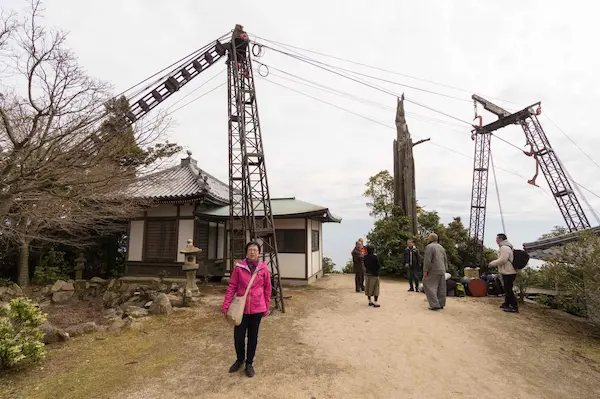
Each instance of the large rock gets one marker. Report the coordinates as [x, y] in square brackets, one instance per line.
[161, 305]
[175, 300]
[68, 286]
[62, 296]
[98, 280]
[81, 285]
[8, 293]
[58, 286]
[135, 311]
[46, 291]
[112, 313]
[53, 334]
[17, 291]
[110, 299]
[83, 328]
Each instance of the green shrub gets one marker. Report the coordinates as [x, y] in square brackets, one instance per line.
[20, 334]
[5, 282]
[348, 268]
[52, 267]
[525, 279]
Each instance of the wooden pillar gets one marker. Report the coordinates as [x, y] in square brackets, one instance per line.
[404, 170]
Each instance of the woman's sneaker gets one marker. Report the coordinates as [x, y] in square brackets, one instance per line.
[235, 366]
[376, 305]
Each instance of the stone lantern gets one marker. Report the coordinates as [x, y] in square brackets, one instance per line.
[79, 266]
[189, 267]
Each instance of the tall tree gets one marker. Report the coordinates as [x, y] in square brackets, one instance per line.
[380, 194]
[63, 166]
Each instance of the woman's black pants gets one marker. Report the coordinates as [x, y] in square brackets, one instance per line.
[250, 324]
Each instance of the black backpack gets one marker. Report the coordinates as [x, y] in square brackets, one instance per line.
[520, 259]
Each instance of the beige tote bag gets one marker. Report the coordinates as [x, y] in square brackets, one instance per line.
[235, 313]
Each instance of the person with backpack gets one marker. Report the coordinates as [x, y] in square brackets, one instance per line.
[412, 263]
[505, 267]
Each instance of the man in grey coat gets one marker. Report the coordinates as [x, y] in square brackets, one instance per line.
[435, 265]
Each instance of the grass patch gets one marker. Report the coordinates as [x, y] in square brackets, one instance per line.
[97, 365]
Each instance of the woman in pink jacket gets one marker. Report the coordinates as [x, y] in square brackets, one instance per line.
[257, 304]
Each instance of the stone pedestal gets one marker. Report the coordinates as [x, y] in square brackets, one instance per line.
[79, 267]
[190, 267]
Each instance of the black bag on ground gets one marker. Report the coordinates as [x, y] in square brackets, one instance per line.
[520, 259]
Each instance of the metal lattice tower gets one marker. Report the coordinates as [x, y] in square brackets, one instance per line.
[545, 157]
[481, 163]
[559, 184]
[250, 215]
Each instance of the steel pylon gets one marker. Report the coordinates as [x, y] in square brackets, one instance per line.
[250, 215]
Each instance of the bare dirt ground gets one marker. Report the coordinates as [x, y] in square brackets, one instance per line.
[330, 344]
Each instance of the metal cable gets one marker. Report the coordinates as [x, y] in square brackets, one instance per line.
[497, 193]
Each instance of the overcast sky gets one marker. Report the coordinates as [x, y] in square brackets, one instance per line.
[518, 51]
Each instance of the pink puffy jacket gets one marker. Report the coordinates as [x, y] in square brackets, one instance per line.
[259, 296]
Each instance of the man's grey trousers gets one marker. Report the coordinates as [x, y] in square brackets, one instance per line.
[434, 286]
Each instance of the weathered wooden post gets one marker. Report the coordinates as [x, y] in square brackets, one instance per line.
[79, 266]
[190, 267]
[404, 169]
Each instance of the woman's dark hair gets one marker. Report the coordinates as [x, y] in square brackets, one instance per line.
[251, 243]
[370, 249]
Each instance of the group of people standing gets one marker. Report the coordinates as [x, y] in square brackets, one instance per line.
[251, 278]
[367, 267]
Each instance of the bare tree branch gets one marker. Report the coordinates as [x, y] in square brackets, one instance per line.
[67, 155]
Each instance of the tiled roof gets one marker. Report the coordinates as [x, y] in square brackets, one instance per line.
[547, 247]
[283, 207]
[183, 181]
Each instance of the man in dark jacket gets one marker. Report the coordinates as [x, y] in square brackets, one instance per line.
[358, 267]
[412, 264]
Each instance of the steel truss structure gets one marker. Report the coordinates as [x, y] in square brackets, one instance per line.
[545, 157]
[251, 216]
[250, 212]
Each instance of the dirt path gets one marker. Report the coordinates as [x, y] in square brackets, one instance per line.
[330, 344]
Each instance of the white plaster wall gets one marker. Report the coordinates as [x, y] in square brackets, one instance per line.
[186, 210]
[186, 231]
[292, 265]
[135, 241]
[163, 210]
